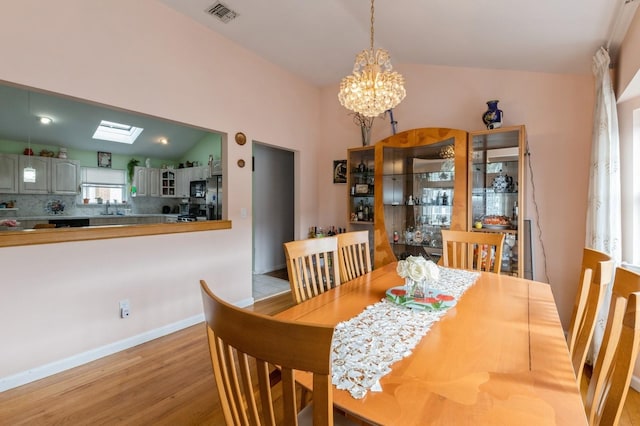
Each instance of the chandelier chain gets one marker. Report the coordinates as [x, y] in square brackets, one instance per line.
[372, 25]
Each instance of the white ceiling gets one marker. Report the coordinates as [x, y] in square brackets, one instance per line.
[318, 40]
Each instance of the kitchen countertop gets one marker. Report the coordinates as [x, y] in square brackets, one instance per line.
[96, 216]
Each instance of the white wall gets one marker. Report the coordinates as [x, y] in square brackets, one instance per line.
[59, 300]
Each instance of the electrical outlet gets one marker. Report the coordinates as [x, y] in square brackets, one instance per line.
[125, 309]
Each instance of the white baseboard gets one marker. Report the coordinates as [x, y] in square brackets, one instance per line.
[55, 367]
[46, 370]
[635, 382]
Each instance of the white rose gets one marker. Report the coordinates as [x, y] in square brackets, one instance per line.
[417, 271]
[417, 259]
[401, 269]
[433, 273]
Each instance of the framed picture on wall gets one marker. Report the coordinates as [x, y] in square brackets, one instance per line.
[339, 171]
[104, 159]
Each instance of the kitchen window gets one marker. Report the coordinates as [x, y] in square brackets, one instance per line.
[106, 184]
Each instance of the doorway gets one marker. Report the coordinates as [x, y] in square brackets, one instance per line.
[273, 217]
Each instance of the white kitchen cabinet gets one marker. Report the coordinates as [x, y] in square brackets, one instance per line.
[168, 183]
[200, 173]
[153, 180]
[183, 178]
[53, 176]
[147, 181]
[9, 173]
[42, 166]
[140, 179]
[65, 176]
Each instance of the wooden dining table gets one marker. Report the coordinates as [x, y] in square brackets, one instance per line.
[497, 357]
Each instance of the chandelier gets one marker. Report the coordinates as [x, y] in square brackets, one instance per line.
[373, 88]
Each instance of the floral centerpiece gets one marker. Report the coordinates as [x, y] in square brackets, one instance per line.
[417, 272]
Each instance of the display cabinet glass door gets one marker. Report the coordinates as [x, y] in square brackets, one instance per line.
[418, 194]
[496, 181]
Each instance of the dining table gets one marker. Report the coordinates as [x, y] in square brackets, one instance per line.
[497, 356]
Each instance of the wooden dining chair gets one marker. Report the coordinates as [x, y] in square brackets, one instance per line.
[243, 344]
[614, 365]
[353, 254]
[312, 266]
[480, 251]
[595, 276]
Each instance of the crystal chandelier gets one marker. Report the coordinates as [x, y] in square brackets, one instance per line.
[373, 88]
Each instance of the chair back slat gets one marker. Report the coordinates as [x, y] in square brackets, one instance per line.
[615, 361]
[353, 254]
[595, 277]
[480, 251]
[312, 266]
[243, 344]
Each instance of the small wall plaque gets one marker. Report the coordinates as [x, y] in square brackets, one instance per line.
[241, 138]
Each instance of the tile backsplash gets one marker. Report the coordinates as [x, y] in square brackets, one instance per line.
[40, 205]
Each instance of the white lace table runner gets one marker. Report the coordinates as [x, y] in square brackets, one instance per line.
[365, 346]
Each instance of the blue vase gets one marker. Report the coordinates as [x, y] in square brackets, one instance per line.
[492, 117]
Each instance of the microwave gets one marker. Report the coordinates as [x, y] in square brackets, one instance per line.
[198, 189]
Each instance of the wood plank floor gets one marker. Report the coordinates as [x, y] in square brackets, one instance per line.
[167, 381]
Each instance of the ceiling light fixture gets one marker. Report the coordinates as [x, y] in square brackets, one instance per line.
[373, 88]
[163, 141]
[45, 120]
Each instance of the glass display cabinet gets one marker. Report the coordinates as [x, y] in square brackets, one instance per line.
[361, 184]
[421, 187]
[496, 188]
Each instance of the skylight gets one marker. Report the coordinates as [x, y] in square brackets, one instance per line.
[117, 132]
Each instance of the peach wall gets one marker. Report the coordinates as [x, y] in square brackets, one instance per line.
[60, 300]
[557, 111]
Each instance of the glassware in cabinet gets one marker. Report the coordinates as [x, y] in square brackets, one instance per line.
[496, 188]
[361, 184]
[418, 192]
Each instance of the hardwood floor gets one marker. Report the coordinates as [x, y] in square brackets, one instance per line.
[167, 381]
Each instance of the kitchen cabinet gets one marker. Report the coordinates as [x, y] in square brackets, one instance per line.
[168, 183]
[420, 189]
[53, 175]
[147, 181]
[9, 173]
[65, 176]
[496, 191]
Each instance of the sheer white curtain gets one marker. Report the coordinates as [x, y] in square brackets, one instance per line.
[604, 205]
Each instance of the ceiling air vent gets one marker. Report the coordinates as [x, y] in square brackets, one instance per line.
[221, 12]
